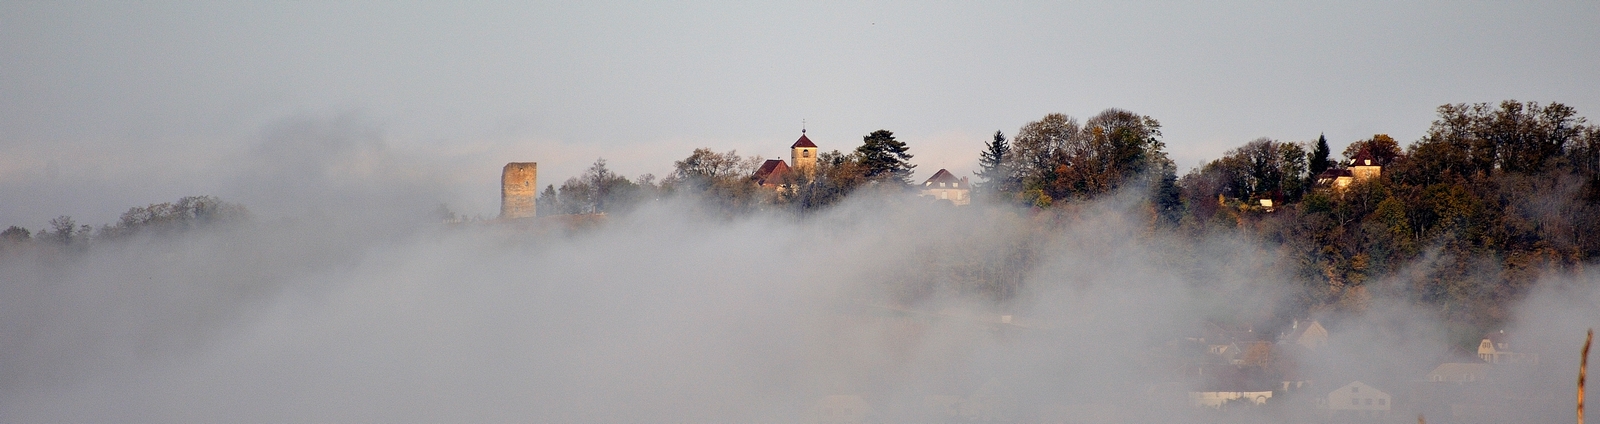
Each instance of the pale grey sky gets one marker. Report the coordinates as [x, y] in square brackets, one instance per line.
[109, 105]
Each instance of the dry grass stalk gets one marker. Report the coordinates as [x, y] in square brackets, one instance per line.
[1583, 368]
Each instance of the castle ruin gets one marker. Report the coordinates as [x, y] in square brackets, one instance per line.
[519, 188]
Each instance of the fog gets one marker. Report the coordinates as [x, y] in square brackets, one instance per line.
[666, 314]
[342, 299]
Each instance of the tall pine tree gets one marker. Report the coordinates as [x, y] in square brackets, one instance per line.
[994, 166]
[885, 159]
[1319, 156]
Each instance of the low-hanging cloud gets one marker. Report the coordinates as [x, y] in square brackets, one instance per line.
[664, 314]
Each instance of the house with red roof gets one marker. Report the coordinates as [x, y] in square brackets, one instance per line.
[945, 186]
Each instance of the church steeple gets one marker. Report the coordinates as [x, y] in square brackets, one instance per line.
[803, 154]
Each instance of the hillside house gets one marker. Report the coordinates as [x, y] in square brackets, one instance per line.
[1364, 166]
[1335, 178]
[945, 186]
[1308, 334]
[1227, 386]
[1358, 399]
[1496, 349]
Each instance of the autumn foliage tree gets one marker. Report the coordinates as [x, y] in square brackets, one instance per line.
[1057, 159]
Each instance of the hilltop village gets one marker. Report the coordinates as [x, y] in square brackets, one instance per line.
[778, 179]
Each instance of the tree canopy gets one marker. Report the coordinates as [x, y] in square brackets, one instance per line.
[885, 159]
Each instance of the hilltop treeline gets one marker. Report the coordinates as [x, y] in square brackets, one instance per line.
[724, 181]
[1461, 221]
[186, 214]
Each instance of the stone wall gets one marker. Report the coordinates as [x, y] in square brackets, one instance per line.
[519, 188]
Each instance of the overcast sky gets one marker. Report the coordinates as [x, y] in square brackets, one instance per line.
[109, 105]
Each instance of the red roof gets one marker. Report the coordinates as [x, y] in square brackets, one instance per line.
[1364, 158]
[944, 176]
[771, 172]
[803, 142]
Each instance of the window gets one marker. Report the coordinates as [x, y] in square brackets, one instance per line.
[941, 184]
[1369, 401]
[1354, 401]
[1382, 401]
[1355, 389]
[805, 153]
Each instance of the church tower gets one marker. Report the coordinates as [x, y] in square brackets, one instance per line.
[803, 154]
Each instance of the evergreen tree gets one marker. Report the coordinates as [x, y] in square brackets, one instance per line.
[1168, 197]
[994, 167]
[549, 201]
[884, 158]
[1319, 156]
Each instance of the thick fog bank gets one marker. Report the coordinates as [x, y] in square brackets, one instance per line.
[890, 304]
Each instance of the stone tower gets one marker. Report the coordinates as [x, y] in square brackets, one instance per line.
[519, 187]
[803, 154]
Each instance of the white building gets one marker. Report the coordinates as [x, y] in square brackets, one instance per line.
[1358, 399]
[945, 186]
[1495, 349]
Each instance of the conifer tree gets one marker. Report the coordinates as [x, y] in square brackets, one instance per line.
[1319, 156]
[884, 158]
[993, 165]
